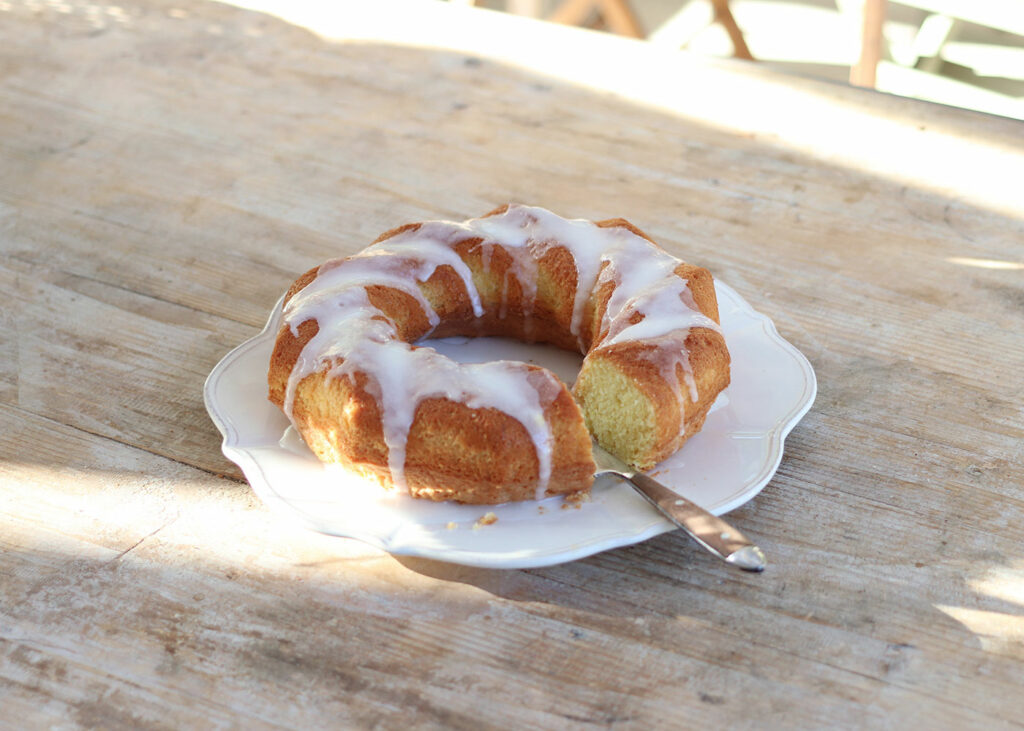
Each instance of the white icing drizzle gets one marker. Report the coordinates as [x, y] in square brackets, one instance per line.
[431, 246]
[663, 310]
[534, 230]
[356, 337]
[401, 376]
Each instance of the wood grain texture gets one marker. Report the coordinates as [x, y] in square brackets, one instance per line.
[167, 169]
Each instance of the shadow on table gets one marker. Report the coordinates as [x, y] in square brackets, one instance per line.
[937, 626]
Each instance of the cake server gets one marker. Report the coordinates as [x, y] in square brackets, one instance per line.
[708, 530]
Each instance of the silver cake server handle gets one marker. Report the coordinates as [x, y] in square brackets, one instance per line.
[708, 530]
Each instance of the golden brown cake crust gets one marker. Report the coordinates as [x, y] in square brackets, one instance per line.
[483, 455]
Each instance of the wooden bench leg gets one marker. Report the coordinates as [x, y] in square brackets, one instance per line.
[621, 19]
[617, 14]
[724, 16]
[693, 18]
[864, 72]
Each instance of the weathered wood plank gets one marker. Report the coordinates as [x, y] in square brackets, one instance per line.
[338, 168]
[115, 363]
[213, 578]
[167, 169]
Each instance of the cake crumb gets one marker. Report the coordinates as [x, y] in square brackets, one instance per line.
[486, 519]
[575, 500]
[452, 525]
[541, 510]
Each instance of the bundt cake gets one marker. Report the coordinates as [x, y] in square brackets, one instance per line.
[349, 371]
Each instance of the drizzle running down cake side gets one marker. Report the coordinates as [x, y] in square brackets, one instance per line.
[351, 372]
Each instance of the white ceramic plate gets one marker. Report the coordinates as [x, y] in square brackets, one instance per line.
[721, 468]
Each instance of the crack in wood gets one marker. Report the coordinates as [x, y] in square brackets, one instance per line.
[144, 538]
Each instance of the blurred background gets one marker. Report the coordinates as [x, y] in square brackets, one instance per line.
[964, 53]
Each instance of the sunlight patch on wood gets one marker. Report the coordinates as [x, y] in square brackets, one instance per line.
[968, 261]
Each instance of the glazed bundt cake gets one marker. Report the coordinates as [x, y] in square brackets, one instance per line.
[350, 372]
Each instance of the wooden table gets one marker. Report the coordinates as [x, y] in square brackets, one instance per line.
[167, 169]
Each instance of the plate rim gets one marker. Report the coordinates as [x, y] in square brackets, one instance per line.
[782, 428]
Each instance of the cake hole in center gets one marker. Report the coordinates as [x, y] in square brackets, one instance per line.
[563, 363]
